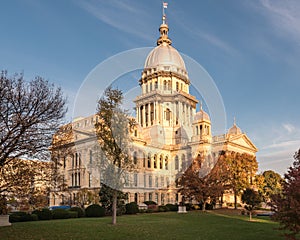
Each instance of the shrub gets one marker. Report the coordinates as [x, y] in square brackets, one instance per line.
[22, 217]
[209, 206]
[72, 214]
[150, 203]
[79, 210]
[60, 214]
[162, 209]
[132, 208]
[172, 207]
[95, 210]
[44, 214]
[188, 206]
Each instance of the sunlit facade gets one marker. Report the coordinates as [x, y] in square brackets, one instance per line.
[169, 134]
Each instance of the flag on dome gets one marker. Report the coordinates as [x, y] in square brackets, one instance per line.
[165, 4]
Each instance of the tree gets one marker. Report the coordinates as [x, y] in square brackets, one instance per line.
[30, 113]
[268, 183]
[106, 199]
[113, 129]
[241, 171]
[26, 182]
[195, 186]
[86, 197]
[287, 204]
[252, 199]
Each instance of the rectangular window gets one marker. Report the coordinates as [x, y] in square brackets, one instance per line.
[162, 181]
[135, 179]
[91, 156]
[90, 179]
[150, 181]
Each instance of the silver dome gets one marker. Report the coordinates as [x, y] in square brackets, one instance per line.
[164, 55]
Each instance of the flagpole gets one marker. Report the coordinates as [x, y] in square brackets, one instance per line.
[163, 11]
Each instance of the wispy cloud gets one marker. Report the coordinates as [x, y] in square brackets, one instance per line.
[284, 15]
[206, 36]
[114, 12]
[278, 153]
[215, 41]
[289, 127]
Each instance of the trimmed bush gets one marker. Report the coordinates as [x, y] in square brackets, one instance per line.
[72, 214]
[95, 210]
[22, 217]
[172, 207]
[150, 203]
[44, 214]
[188, 206]
[60, 214]
[162, 208]
[79, 210]
[132, 208]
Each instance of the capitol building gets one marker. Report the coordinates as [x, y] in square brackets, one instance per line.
[169, 133]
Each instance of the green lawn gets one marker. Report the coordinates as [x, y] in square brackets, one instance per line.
[193, 225]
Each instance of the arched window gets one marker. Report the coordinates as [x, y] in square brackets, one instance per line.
[165, 85]
[166, 163]
[161, 162]
[72, 160]
[79, 159]
[177, 86]
[149, 160]
[168, 114]
[184, 165]
[135, 158]
[176, 163]
[155, 161]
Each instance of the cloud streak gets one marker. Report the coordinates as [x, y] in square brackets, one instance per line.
[284, 16]
[114, 12]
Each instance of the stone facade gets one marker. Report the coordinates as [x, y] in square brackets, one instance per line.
[169, 133]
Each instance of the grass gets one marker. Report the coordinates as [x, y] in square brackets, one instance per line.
[193, 225]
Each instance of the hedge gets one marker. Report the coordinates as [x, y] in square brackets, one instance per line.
[79, 210]
[95, 210]
[132, 208]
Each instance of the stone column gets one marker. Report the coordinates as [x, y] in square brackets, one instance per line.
[144, 115]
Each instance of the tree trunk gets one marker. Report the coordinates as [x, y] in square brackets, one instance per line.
[235, 200]
[250, 215]
[203, 206]
[114, 208]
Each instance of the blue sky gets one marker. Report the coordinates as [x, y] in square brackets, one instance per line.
[250, 48]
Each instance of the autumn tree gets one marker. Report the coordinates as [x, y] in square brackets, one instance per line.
[287, 204]
[113, 134]
[30, 112]
[268, 183]
[252, 199]
[202, 187]
[241, 171]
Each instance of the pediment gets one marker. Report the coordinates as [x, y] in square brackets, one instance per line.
[83, 135]
[243, 141]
